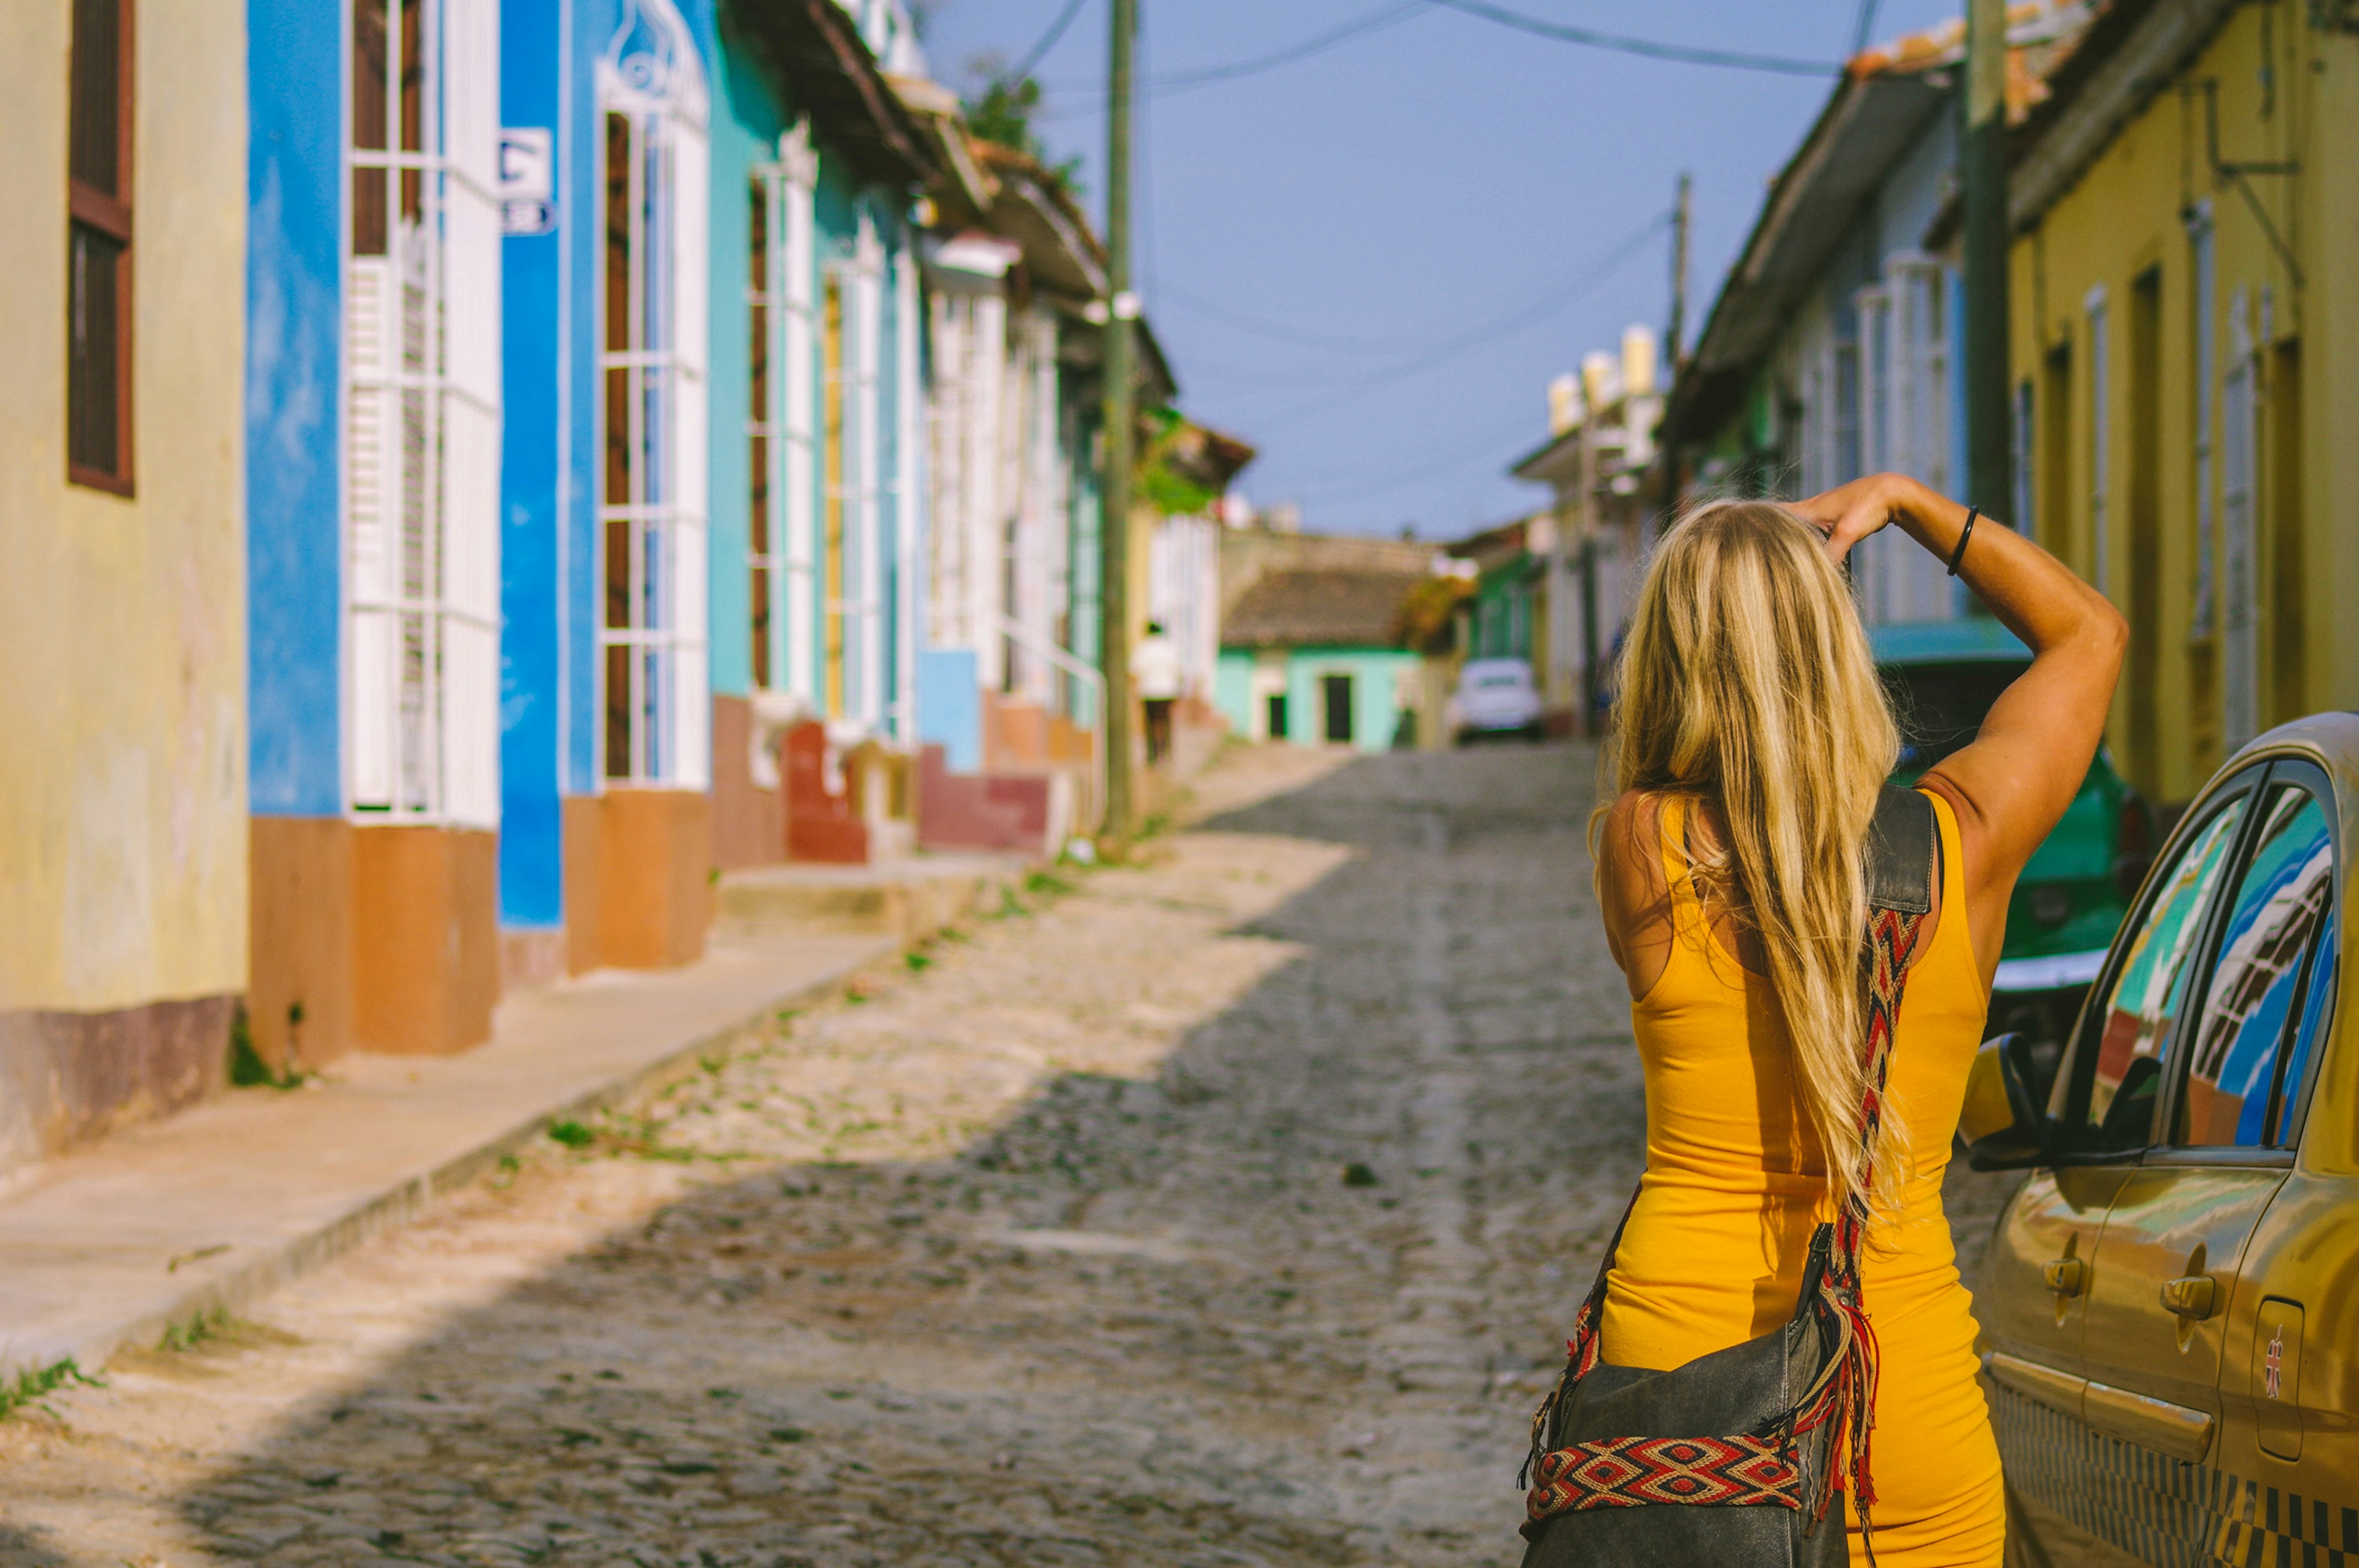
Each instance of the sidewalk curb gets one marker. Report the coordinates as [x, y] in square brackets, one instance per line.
[411, 1198]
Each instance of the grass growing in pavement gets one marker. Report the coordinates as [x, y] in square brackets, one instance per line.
[1047, 884]
[36, 1383]
[196, 1331]
[572, 1134]
[638, 1137]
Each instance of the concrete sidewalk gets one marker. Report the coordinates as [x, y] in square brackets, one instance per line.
[214, 1207]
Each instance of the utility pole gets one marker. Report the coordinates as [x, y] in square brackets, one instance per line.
[1121, 431]
[1675, 360]
[1677, 356]
[1982, 169]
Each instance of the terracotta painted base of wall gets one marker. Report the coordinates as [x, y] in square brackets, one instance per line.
[638, 879]
[1016, 733]
[367, 937]
[749, 823]
[68, 1077]
[299, 979]
[426, 938]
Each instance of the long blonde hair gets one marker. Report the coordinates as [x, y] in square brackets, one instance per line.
[1745, 680]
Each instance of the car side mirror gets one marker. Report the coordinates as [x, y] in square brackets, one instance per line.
[2004, 1124]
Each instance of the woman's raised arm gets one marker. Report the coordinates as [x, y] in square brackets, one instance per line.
[2012, 784]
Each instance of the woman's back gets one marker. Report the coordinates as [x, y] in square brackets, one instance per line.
[1735, 1182]
[1748, 686]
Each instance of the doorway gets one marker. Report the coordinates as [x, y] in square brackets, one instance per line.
[1274, 717]
[1335, 696]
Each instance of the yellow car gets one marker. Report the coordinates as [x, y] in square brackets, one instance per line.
[2170, 1305]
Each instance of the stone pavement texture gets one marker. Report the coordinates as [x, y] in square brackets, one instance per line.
[1226, 1209]
[208, 1210]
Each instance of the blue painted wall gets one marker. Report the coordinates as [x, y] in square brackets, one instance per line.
[949, 706]
[531, 640]
[549, 719]
[294, 299]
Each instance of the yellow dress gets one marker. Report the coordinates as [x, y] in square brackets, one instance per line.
[1734, 1183]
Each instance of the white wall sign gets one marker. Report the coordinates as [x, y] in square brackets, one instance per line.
[527, 180]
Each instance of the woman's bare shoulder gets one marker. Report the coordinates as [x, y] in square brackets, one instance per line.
[1629, 860]
[1632, 895]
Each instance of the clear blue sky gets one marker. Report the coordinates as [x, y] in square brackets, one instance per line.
[1370, 261]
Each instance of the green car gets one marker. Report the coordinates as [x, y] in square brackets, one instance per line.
[1943, 675]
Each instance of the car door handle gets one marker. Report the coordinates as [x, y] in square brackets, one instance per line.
[2192, 1297]
[2066, 1276]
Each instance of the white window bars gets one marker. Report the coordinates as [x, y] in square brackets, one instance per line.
[865, 578]
[970, 347]
[1037, 537]
[421, 401]
[907, 493]
[851, 362]
[1904, 402]
[652, 402]
[782, 424]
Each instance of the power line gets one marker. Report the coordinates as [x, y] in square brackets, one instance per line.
[1032, 56]
[1394, 347]
[1555, 300]
[1287, 56]
[1685, 54]
[1205, 75]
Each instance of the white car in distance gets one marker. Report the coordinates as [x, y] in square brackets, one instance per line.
[1495, 697]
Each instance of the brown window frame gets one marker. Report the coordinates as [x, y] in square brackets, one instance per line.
[108, 214]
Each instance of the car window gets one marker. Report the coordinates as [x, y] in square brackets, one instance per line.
[1940, 708]
[2317, 1007]
[2150, 986]
[2273, 919]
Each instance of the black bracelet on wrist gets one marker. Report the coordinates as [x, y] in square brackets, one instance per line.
[1959, 553]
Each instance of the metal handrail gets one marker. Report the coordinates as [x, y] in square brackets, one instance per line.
[1064, 659]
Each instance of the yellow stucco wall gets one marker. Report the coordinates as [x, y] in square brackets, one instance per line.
[2123, 221]
[122, 837]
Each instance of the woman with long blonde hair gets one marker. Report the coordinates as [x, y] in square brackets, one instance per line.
[1751, 739]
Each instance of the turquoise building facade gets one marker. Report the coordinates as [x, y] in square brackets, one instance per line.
[1310, 696]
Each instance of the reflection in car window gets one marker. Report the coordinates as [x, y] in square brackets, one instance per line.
[2279, 897]
[2135, 1025]
[2317, 1001]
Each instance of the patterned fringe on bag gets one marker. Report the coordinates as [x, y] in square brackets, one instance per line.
[1626, 1471]
[1759, 1467]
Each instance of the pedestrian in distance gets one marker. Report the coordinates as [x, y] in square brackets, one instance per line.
[1803, 1084]
[1155, 670]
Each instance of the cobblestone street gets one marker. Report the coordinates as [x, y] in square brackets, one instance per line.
[1229, 1208]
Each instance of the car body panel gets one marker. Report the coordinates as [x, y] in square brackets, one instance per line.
[2056, 1217]
[2275, 1363]
[2167, 1223]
